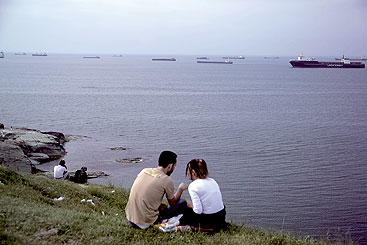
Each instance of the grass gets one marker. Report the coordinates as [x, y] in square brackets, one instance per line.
[29, 215]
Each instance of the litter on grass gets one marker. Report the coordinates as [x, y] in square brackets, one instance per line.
[88, 201]
[59, 199]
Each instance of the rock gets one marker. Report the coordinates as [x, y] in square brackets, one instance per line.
[118, 148]
[35, 170]
[33, 141]
[21, 146]
[75, 137]
[129, 160]
[92, 175]
[39, 157]
[60, 137]
[13, 157]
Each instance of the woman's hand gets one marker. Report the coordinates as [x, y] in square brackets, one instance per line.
[189, 204]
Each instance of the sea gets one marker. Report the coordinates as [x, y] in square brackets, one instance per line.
[287, 146]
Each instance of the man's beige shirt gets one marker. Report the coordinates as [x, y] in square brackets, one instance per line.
[147, 194]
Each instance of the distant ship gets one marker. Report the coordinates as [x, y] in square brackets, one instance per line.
[2, 54]
[234, 57]
[272, 58]
[202, 58]
[214, 62]
[91, 57]
[362, 58]
[302, 62]
[164, 59]
[20, 53]
[117, 55]
[39, 54]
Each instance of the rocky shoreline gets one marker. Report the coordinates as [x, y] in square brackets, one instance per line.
[22, 149]
[25, 150]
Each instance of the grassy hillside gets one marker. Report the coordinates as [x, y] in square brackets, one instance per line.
[29, 215]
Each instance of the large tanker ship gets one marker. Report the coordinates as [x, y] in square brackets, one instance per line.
[302, 62]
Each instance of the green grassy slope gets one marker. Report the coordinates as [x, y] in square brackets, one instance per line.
[29, 215]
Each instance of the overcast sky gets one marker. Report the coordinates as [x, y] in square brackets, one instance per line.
[207, 27]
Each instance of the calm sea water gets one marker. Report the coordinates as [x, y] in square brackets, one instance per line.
[287, 146]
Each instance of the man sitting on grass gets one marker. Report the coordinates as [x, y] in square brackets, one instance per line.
[145, 207]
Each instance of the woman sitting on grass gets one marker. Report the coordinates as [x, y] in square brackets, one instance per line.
[206, 210]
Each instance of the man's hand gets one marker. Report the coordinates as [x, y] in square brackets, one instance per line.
[178, 194]
[182, 187]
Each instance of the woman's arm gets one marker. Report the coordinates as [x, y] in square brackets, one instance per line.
[196, 202]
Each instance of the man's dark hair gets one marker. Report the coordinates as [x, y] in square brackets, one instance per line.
[166, 158]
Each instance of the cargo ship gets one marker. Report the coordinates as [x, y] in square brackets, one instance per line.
[164, 59]
[302, 62]
[215, 62]
[234, 57]
[39, 54]
[362, 58]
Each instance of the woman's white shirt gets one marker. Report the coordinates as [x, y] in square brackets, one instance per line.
[59, 172]
[205, 196]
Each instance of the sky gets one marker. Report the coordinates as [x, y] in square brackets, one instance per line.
[185, 27]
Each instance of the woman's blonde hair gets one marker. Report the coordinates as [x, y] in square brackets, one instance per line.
[199, 167]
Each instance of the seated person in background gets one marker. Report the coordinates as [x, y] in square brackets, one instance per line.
[60, 171]
[81, 176]
[207, 210]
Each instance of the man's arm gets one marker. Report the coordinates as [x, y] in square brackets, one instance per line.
[177, 195]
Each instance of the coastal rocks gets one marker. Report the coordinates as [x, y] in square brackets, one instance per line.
[20, 145]
[37, 142]
[90, 174]
[126, 160]
[39, 157]
[76, 137]
[60, 137]
[13, 157]
[130, 160]
[93, 175]
[118, 149]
